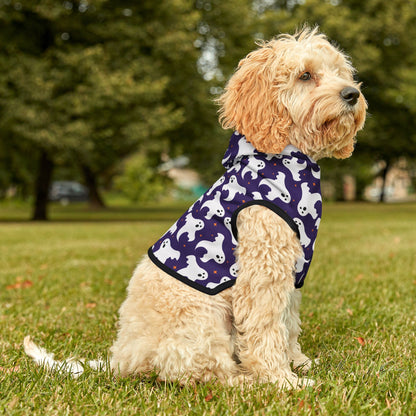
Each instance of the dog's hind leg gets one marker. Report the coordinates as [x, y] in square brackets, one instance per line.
[171, 328]
[267, 251]
[199, 347]
[142, 323]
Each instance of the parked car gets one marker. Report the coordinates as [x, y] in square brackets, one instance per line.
[68, 191]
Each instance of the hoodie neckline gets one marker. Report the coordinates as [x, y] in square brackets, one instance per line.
[239, 148]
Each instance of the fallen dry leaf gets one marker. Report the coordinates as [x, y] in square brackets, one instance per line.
[20, 285]
[350, 312]
[361, 341]
[14, 286]
[359, 277]
[209, 396]
[91, 305]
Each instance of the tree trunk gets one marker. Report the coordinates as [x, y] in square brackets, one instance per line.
[383, 185]
[95, 199]
[42, 185]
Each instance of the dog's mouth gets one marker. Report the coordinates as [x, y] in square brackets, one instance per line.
[338, 134]
[336, 127]
[341, 124]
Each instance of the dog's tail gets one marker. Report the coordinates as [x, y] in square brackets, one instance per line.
[71, 365]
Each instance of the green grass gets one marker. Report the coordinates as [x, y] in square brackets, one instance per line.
[62, 282]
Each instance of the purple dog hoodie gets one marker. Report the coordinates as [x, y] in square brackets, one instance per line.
[199, 248]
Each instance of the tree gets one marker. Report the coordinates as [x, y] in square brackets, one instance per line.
[82, 84]
[95, 82]
[224, 36]
[140, 181]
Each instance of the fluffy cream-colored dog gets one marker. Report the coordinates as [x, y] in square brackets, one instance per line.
[294, 91]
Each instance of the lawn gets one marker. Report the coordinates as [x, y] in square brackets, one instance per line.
[62, 282]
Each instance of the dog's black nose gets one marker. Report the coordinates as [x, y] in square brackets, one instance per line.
[350, 95]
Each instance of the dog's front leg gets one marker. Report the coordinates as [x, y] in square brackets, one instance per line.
[300, 360]
[267, 251]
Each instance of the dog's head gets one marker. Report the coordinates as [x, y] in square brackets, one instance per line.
[295, 90]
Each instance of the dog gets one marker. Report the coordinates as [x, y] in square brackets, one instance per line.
[217, 297]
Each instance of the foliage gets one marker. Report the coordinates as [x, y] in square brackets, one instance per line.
[81, 90]
[139, 181]
[223, 36]
[86, 83]
[63, 284]
[91, 83]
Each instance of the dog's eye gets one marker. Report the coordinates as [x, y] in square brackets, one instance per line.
[306, 76]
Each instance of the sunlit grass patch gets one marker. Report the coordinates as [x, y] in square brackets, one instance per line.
[63, 282]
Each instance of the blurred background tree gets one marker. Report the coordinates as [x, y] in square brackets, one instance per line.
[88, 85]
[140, 181]
[84, 85]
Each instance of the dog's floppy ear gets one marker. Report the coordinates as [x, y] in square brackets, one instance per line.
[251, 104]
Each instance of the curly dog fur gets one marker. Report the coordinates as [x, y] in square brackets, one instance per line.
[250, 331]
[295, 90]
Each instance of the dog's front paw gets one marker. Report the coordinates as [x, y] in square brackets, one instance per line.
[306, 382]
[303, 364]
[297, 383]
